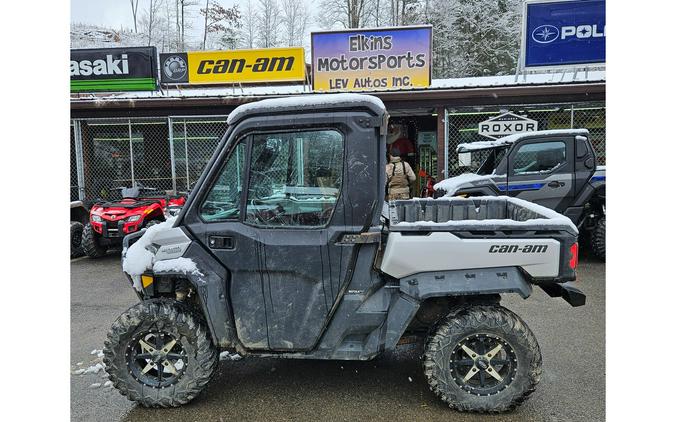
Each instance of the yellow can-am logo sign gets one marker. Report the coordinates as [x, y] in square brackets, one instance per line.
[235, 66]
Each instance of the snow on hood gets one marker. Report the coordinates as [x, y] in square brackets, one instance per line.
[452, 184]
[177, 265]
[308, 102]
[137, 259]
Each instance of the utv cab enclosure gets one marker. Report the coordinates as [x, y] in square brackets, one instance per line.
[287, 249]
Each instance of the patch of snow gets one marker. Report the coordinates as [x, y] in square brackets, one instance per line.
[79, 371]
[80, 363]
[138, 259]
[510, 139]
[177, 265]
[548, 217]
[108, 384]
[227, 356]
[95, 385]
[93, 369]
[95, 352]
[452, 184]
[478, 145]
[409, 379]
[308, 102]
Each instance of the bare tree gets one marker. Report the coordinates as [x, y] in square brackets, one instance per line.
[224, 21]
[134, 12]
[249, 22]
[294, 21]
[267, 23]
[345, 13]
[151, 19]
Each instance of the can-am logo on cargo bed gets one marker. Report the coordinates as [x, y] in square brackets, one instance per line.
[518, 248]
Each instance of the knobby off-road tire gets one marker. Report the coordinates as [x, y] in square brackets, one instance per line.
[92, 247]
[76, 249]
[200, 361]
[493, 323]
[598, 239]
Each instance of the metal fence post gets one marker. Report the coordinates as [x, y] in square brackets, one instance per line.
[187, 160]
[572, 117]
[172, 154]
[446, 129]
[79, 159]
[131, 156]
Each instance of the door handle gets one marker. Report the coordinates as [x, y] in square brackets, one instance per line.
[556, 184]
[221, 242]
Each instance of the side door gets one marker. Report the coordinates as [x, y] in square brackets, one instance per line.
[542, 171]
[276, 218]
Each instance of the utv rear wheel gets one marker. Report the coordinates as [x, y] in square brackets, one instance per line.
[159, 354]
[482, 359]
[598, 239]
[91, 244]
[76, 249]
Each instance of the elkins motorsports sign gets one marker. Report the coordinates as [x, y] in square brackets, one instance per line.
[372, 59]
[113, 69]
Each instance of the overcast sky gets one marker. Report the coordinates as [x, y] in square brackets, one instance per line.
[116, 13]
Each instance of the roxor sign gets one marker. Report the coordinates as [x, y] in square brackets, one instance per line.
[563, 33]
[506, 124]
[113, 69]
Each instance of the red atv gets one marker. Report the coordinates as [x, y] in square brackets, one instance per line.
[110, 221]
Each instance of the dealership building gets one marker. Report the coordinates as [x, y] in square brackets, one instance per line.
[159, 123]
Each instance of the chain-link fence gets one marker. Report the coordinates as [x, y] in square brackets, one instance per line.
[463, 127]
[161, 153]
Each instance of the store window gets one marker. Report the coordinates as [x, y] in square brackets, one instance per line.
[538, 158]
[223, 201]
[295, 178]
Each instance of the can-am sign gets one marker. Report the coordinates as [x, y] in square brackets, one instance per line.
[563, 33]
[371, 59]
[233, 66]
[506, 124]
[113, 69]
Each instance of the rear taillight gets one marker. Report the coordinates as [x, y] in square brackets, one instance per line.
[574, 252]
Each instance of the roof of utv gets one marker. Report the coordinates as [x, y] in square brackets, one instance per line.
[517, 137]
[305, 103]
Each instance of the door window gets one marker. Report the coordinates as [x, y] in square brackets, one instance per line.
[295, 178]
[539, 158]
[222, 202]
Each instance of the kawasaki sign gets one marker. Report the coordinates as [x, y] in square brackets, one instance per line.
[113, 69]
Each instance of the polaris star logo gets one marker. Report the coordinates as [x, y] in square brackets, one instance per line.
[545, 34]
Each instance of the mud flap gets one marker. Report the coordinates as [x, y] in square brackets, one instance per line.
[572, 295]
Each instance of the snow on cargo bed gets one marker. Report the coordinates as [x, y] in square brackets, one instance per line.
[307, 103]
[485, 213]
[452, 184]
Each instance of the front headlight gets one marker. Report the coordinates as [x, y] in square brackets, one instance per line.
[96, 218]
[134, 218]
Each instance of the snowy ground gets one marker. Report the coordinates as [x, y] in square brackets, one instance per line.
[389, 388]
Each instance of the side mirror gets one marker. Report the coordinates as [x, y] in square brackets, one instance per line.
[589, 163]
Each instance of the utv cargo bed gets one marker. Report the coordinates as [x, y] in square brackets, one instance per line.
[478, 233]
[501, 213]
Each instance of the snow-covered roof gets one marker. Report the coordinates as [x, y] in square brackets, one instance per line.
[306, 102]
[239, 91]
[510, 139]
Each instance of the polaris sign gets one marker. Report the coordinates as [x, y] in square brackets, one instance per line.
[506, 124]
[560, 33]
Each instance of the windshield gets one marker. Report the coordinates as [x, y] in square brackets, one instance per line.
[492, 158]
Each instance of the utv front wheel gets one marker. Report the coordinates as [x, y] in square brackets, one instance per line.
[482, 359]
[159, 354]
[598, 239]
[91, 244]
